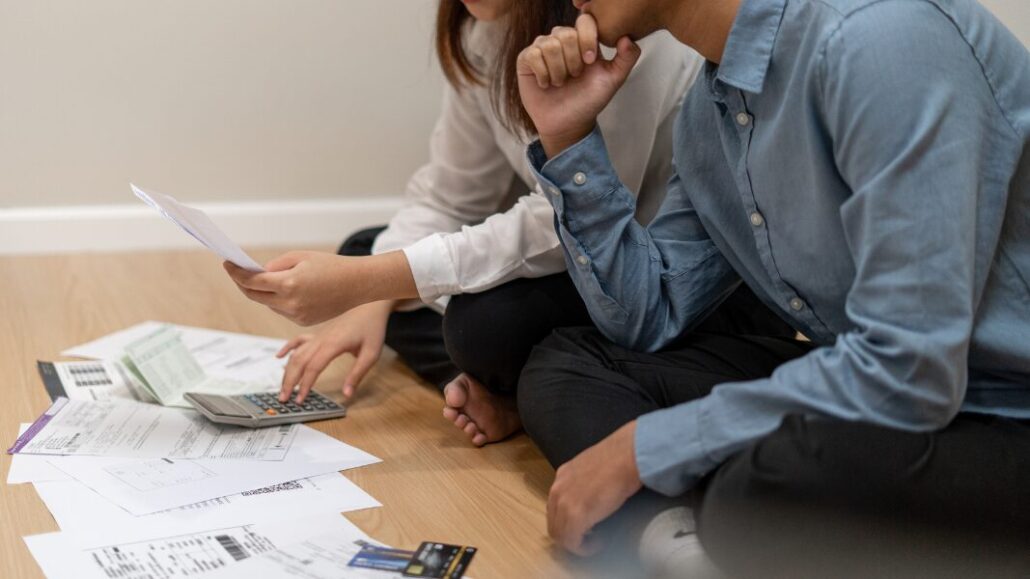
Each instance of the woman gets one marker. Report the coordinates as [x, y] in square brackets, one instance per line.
[471, 228]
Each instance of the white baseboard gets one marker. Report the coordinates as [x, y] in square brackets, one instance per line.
[41, 230]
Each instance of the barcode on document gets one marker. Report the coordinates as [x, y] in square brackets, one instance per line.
[234, 548]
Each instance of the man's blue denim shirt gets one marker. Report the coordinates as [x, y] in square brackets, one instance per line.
[863, 166]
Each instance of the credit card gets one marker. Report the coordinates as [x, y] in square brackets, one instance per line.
[439, 561]
[381, 558]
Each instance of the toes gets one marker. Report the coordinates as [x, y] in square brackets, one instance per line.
[462, 421]
[450, 413]
[471, 430]
[479, 439]
[455, 393]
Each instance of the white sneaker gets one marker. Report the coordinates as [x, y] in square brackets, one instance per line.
[669, 547]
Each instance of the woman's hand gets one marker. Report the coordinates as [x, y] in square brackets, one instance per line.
[360, 332]
[565, 83]
[309, 287]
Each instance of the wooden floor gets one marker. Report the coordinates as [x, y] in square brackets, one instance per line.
[432, 483]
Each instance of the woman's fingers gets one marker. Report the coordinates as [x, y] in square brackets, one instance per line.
[291, 375]
[270, 299]
[260, 281]
[293, 344]
[366, 358]
[312, 370]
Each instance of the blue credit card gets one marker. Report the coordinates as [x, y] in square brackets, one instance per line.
[381, 558]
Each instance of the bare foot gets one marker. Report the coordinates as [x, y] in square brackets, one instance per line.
[483, 417]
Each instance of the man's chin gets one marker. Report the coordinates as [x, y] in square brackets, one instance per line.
[611, 40]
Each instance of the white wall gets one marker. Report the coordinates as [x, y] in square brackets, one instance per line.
[291, 121]
[213, 99]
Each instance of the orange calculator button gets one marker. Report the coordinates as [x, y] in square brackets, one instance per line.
[271, 412]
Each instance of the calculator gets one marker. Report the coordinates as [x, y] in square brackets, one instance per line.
[257, 410]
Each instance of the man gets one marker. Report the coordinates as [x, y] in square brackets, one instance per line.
[862, 165]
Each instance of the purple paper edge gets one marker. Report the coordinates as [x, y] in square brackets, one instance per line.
[37, 426]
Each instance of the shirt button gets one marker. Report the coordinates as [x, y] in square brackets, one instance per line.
[756, 219]
[797, 304]
[554, 191]
[582, 260]
[579, 178]
[743, 119]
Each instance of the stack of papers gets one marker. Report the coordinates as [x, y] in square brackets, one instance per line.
[155, 362]
[143, 490]
[316, 547]
[225, 355]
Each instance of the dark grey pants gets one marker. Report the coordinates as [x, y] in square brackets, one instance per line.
[815, 498]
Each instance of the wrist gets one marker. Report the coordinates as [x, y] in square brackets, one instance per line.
[389, 278]
[555, 143]
[377, 308]
[632, 471]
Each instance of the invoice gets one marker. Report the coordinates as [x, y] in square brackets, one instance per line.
[159, 553]
[228, 355]
[76, 507]
[147, 486]
[129, 429]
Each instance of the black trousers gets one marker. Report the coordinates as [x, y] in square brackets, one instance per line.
[490, 334]
[817, 497]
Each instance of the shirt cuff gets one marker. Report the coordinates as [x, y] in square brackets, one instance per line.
[434, 277]
[670, 453]
[575, 179]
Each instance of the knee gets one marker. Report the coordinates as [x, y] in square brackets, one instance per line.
[743, 508]
[810, 482]
[553, 365]
[468, 331]
[554, 411]
[489, 335]
[360, 243]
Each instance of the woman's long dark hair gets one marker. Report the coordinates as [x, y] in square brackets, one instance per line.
[527, 19]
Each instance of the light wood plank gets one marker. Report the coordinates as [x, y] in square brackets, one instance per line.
[433, 484]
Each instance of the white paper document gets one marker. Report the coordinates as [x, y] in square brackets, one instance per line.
[92, 380]
[196, 223]
[323, 556]
[116, 428]
[159, 554]
[143, 487]
[76, 507]
[26, 468]
[226, 355]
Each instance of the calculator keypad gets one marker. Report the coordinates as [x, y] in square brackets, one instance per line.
[269, 403]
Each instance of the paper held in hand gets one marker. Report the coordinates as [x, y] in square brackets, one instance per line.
[199, 226]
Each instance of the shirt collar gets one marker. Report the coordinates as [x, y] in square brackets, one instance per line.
[745, 60]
